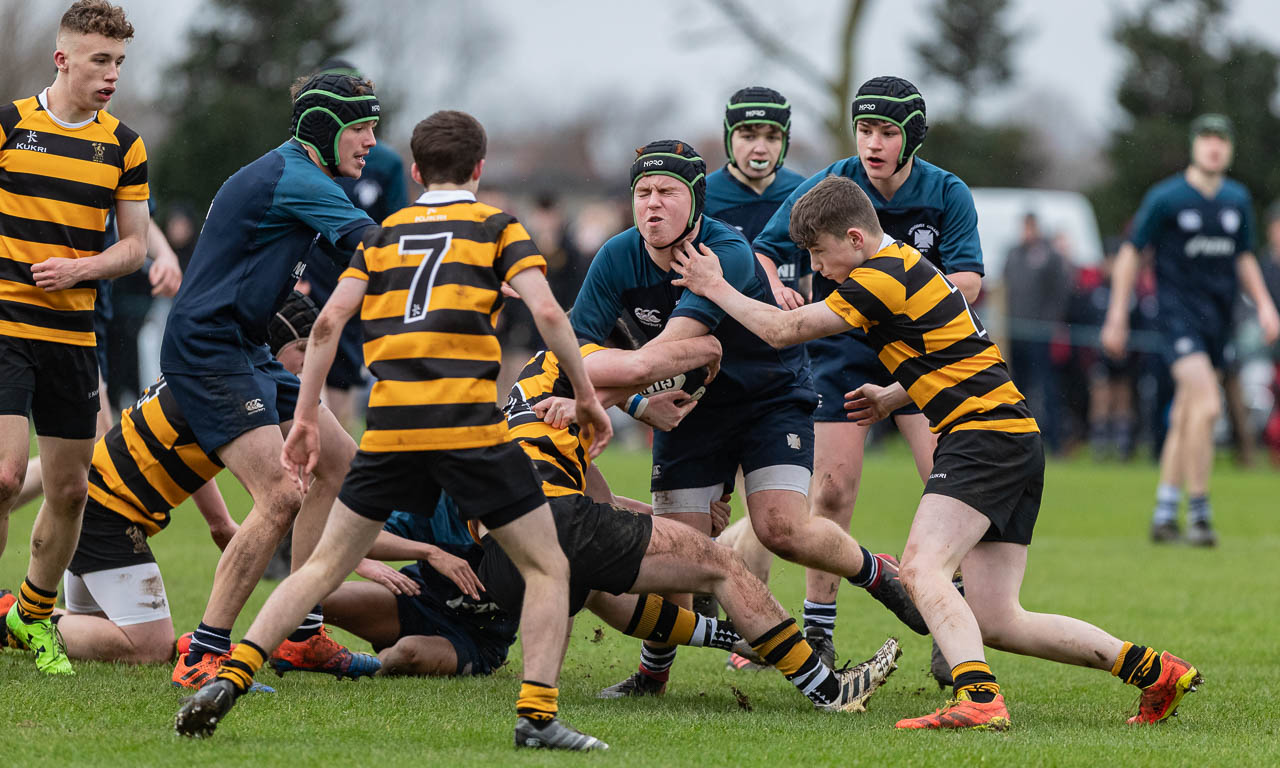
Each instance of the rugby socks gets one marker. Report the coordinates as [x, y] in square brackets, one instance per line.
[310, 626]
[244, 663]
[866, 578]
[656, 661]
[1137, 665]
[662, 621]
[538, 701]
[820, 616]
[1167, 498]
[34, 603]
[207, 639]
[975, 679]
[785, 648]
[1198, 510]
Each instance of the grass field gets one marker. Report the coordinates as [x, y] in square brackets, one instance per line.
[1090, 559]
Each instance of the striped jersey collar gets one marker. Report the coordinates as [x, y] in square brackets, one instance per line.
[442, 196]
[44, 104]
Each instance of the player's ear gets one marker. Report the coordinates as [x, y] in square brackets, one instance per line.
[416, 174]
[479, 169]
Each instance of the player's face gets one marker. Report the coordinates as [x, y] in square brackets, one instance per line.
[662, 205]
[879, 144]
[91, 65]
[1211, 153]
[354, 143]
[834, 257]
[292, 355]
[756, 148]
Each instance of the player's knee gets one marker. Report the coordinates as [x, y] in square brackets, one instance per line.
[279, 507]
[11, 478]
[406, 658]
[66, 495]
[1206, 409]
[832, 498]
[780, 537]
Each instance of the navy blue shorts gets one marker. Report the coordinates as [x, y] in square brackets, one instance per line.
[480, 644]
[347, 371]
[713, 441]
[1185, 334]
[224, 406]
[841, 364]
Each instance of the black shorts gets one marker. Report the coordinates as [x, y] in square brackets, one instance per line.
[603, 543]
[54, 384]
[108, 540]
[480, 642]
[1000, 474]
[494, 484]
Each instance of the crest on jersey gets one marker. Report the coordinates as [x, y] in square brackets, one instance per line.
[1230, 219]
[99, 152]
[1189, 220]
[923, 237]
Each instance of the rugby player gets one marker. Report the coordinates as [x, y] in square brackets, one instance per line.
[237, 400]
[1199, 225]
[759, 416]
[64, 161]
[917, 203]
[614, 550]
[427, 285]
[981, 501]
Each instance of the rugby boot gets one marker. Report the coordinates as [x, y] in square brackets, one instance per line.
[888, 589]
[858, 682]
[963, 713]
[741, 663]
[197, 674]
[554, 734]
[1200, 534]
[822, 644]
[7, 599]
[201, 712]
[42, 639]
[1160, 699]
[321, 653]
[1164, 533]
[639, 684]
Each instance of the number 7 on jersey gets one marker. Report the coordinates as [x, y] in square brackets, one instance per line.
[433, 248]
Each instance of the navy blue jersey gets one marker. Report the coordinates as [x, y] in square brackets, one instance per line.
[623, 279]
[1196, 242]
[446, 530]
[249, 255]
[737, 204]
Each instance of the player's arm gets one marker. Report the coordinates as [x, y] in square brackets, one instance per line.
[302, 445]
[1255, 287]
[122, 258]
[389, 546]
[213, 508]
[553, 325]
[657, 360]
[969, 283]
[787, 298]
[1115, 328]
[870, 403]
[700, 272]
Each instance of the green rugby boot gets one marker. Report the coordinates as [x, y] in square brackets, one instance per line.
[41, 638]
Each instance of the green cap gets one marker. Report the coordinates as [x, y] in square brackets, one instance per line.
[1216, 124]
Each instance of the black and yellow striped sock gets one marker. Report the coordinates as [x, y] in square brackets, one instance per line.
[975, 679]
[785, 648]
[1137, 665]
[34, 603]
[662, 621]
[538, 701]
[246, 659]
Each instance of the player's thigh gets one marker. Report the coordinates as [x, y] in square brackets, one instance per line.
[154, 637]
[679, 559]
[366, 609]
[944, 531]
[1194, 374]
[993, 574]
[254, 458]
[777, 516]
[15, 448]
[837, 468]
[346, 539]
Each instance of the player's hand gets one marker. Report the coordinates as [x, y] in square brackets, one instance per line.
[457, 570]
[165, 276]
[787, 298]
[1269, 323]
[667, 409]
[594, 421]
[301, 451]
[56, 274]
[508, 291]
[557, 412]
[868, 404]
[699, 268]
[389, 577]
[720, 512]
[1114, 338]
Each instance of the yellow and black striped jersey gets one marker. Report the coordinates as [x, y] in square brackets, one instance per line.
[561, 456]
[57, 184]
[149, 463]
[434, 271]
[931, 341]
